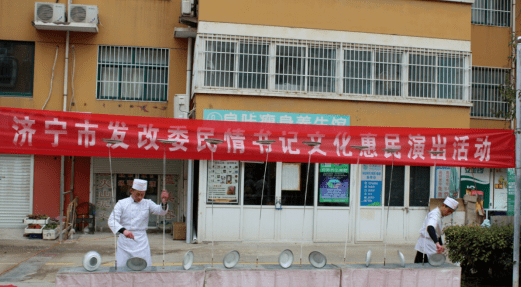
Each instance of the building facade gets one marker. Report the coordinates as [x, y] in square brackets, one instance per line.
[401, 63]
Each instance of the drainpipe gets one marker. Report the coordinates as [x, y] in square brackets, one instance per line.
[517, 202]
[65, 79]
[190, 171]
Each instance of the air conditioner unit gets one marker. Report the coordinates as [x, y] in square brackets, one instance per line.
[83, 14]
[45, 12]
[186, 7]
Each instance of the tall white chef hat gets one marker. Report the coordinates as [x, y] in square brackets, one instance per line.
[139, 184]
[450, 202]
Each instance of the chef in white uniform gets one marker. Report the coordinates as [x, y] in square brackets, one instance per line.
[130, 219]
[430, 234]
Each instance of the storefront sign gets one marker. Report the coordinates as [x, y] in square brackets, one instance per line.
[476, 179]
[67, 133]
[334, 183]
[274, 117]
[442, 181]
[223, 181]
[371, 192]
[511, 187]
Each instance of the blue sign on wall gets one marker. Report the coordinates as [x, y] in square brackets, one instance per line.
[371, 191]
[275, 117]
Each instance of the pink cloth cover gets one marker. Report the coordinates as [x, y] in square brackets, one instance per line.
[401, 277]
[128, 279]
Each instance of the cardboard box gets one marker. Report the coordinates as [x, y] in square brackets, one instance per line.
[179, 230]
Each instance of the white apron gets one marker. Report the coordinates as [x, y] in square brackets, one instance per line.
[425, 244]
[133, 216]
[128, 248]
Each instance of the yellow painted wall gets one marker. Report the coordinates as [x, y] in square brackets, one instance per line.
[141, 23]
[490, 47]
[362, 113]
[489, 124]
[433, 19]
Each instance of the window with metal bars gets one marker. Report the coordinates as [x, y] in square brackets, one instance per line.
[278, 65]
[436, 76]
[492, 12]
[486, 92]
[132, 73]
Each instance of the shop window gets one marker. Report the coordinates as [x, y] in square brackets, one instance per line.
[124, 185]
[294, 184]
[16, 68]
[419, 185]
[397, 188]
[253, 183]
[334, 184]
[132, 73]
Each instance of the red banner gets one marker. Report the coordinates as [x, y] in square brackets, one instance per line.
[80, 134]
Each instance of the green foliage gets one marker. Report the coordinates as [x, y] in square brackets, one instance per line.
[485, 252]
[508, 90]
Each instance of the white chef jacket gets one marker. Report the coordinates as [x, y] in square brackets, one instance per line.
[425, 244]
[133, 216]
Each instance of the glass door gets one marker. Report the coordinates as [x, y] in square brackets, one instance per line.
[292, 194]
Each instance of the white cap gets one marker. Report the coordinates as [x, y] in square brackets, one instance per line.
[450, 202]
[139, 184]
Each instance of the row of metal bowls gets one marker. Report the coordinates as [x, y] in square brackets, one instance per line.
[92, 260]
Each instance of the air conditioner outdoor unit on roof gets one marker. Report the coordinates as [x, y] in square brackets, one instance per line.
[45, 12]
[87, 14]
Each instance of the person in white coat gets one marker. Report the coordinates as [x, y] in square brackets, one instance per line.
[130, 219]
[430, 234]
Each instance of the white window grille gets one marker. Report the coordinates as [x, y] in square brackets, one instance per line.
[132, 73]
[492, 12]
[486, 96]
[301, 66]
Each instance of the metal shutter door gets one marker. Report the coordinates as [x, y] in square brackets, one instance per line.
[16, 188]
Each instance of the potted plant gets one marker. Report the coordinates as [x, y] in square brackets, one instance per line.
[36, 219]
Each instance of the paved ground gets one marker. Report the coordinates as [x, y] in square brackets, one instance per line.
[35, 262]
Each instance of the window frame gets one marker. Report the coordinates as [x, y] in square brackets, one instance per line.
[15, 46]
[485, 85]
[145, 85]
[457, 92]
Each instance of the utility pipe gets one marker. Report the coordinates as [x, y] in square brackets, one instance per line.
[62, 187]
[190, 169]
[517, 202]
[65, 79]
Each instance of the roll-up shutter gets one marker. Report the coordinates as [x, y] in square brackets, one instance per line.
[16, 188]
[136, 165]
